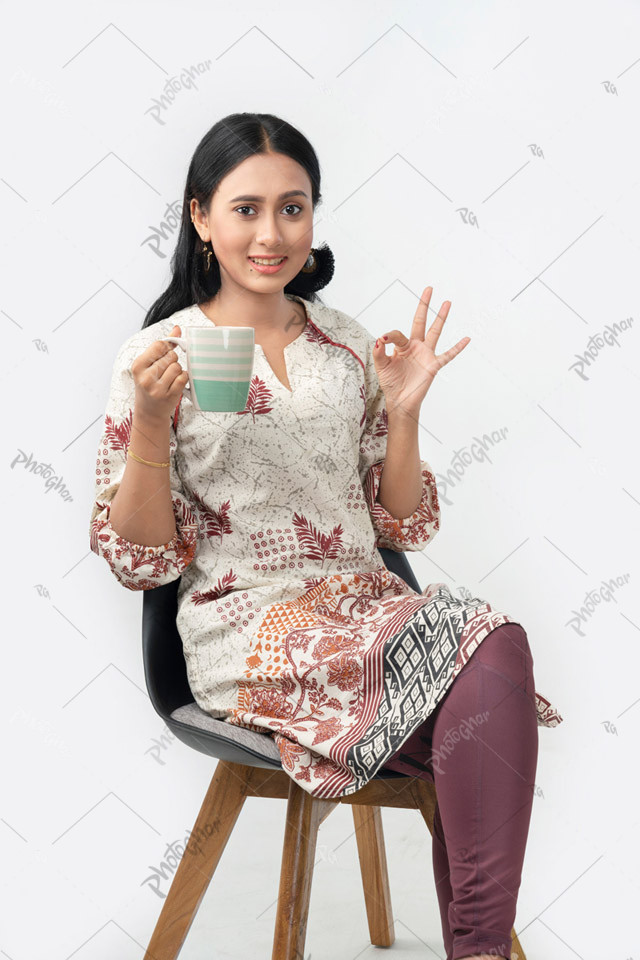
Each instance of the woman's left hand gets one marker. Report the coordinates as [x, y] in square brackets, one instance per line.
[406, 376]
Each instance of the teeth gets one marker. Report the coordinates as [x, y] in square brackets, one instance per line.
[268, 263]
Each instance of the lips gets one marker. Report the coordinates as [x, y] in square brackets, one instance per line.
[267, 268]
[271, 260]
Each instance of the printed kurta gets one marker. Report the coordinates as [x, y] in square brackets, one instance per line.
[291, 624]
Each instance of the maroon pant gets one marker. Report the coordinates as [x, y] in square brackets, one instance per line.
[480, 749]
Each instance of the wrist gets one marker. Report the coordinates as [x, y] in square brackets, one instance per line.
[148, 423]
[403, 413]
[151, 437]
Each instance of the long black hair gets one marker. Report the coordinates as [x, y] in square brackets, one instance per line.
[229, 142]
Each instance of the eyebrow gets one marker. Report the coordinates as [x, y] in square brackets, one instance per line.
[283, 196]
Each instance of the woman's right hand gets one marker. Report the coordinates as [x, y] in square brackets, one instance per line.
[159, 379]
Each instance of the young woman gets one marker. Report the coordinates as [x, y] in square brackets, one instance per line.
[272, 516]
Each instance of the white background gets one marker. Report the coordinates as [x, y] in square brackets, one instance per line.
[488, 150]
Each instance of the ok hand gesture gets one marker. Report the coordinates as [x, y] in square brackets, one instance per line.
[406, 376]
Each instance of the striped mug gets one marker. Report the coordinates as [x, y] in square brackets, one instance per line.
[219, 365]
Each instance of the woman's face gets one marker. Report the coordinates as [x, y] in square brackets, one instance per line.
[250, 217]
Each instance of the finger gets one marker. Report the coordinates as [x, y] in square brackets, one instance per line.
[380, 354]
[420, 316]
[436, 327]
[160, 348]
[169, 377]
[448, 355]
[396, 337]
[157, 350]
[164, 363]
[159, 366]
[169, 357]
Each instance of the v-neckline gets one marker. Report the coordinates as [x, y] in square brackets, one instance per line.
[258, 346]
[285, 348]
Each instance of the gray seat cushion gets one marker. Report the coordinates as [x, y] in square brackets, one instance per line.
[262, 743]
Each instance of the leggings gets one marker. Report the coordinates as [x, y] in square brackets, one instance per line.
[480, 749]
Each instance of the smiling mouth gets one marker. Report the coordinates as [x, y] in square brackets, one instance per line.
[267, 261]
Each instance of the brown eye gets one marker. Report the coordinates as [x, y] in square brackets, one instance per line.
[247, 207]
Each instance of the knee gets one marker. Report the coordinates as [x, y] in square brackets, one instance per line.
[508, 636]
[506, 649]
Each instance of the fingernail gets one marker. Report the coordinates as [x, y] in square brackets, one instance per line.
[376, 343]
[385, 337]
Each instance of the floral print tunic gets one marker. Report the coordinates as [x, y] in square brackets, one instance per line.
[291, 624]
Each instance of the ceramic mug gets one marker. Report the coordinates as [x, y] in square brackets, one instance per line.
[219, 365]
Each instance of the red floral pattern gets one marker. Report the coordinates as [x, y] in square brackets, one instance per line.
[118, 435]
[409, 533]
[129, 561]
[315, 545]
[259, 398]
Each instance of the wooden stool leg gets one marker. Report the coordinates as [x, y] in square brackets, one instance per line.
[218, 814]
[425, 797]
[424, 794]
[517, 953]
[304, 815]
[375, 879]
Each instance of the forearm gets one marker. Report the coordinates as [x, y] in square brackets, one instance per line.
[142, 509]
[400, 488]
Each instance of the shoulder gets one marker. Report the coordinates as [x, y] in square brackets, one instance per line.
[342, 328]
[134, 345]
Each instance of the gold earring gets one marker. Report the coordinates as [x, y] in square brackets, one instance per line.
[206, 252]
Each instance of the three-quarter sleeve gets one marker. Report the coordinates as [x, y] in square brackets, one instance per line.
[136, 566]
[408, 533]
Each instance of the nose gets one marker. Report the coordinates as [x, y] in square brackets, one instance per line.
[269, 235]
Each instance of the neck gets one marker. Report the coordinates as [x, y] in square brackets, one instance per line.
[238, 307]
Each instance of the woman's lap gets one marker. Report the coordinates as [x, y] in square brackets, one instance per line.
[506, 652]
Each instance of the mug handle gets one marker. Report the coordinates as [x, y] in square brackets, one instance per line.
[181, 342]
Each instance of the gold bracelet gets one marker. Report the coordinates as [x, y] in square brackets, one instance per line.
[150, 463]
